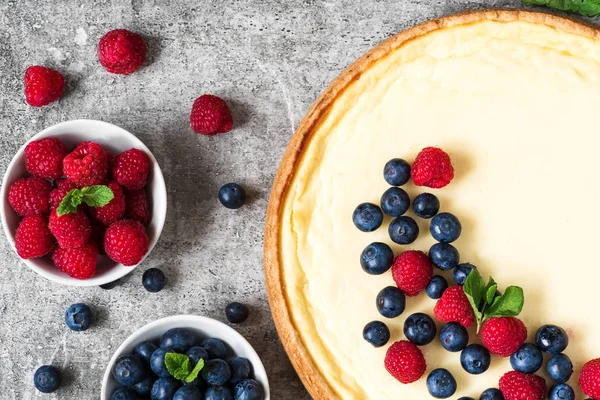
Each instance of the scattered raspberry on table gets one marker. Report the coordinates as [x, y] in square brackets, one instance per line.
[42, 85]
[210, 115]
[121, 51]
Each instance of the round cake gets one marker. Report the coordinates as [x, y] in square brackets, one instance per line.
[511, 96]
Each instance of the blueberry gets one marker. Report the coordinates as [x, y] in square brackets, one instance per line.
[154, 280]
[560, 368]
[110, 285]
[396, 172]
[46, 379]
[78, 317]
[391, 302]
[236, 313]
[145, 350]
[426, 205]
[376, 258]
[143, 387]
[216, 372]
[218, 393]
[196, 353]
[157, 362]
[216, 348]
[377, 333]
[395, 202]
[561, 391]
[241, 369]
[232, 195]
[188, 393]
[178, 339]
[445, 228]
[403, 230]
[527, 359]
[454, 337]
[441, 384]
[367, 217]
[248, 389]
[420, 329]
[129, 370]
[466, 398]
[444, 256]
[475, 359]
[436, 287]
[461, 272]
[491, 394]
[123, 394]
[551, 339]
[164, 388]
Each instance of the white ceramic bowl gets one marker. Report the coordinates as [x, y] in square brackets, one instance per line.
[203, 326]
[115, 140]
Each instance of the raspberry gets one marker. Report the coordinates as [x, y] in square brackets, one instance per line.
[29, 196]
[589, 378]
[86, 165]
[43, 85]
[70, 230]
[503, 336]
[411, 271]
[126, 242]
[432, 168]
[210, 115]
[33, 238]
[137, 206]
[78, 263]
[63, 186]
[114, 210]
[405, 362]
[519, 386]
[454, 306]
[130, 169]
[44, 158]
[121, 51]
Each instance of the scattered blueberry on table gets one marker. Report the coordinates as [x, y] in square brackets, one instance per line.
[154, 280]
[232, 196]
[78, 317]
[236, 313]
[47, 379]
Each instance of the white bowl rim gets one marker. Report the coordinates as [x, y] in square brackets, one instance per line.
[158, 178]
[180, 321]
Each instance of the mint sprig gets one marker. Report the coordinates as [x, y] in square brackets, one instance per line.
[488, 303]
[93, 196]
[179, 366]
[587, 8]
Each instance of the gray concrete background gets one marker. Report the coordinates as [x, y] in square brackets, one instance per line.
[269, 60]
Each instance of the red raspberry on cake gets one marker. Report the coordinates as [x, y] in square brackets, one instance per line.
[70, 230]
[519, 386]
[33, 238]
[121, 51]
[126, 242]
[42, 85]
[130, 169]
[454, 306]
[411, 271]
[405, 362]
[63, 186]
[589, 378]
[87, 165]
[44, 158]
[29, 196]
[432, 168]
[136, 206]
[210, 115]
[503, 336]
[114, 210]
[79, 263]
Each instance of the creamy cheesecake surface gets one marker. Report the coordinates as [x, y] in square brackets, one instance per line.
[515, 105]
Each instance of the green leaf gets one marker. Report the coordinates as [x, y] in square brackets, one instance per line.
[473, 288]
[178, 365]
[490, 291]
[194, 374]
[508, 304]
[588, 8]
[97, 195]
[69, 203]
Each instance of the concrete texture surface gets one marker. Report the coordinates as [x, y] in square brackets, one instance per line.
[270, 60]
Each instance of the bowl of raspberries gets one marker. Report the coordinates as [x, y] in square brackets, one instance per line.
[84, 202]
[185, 357]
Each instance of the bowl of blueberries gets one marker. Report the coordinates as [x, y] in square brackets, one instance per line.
[185, 357]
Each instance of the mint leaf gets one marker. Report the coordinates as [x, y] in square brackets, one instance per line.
[508, 304]
[474, 290]
[490, 291]
[178, 365]
[587, 8]
[97, 195]
[69, 203]
[194, 374]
